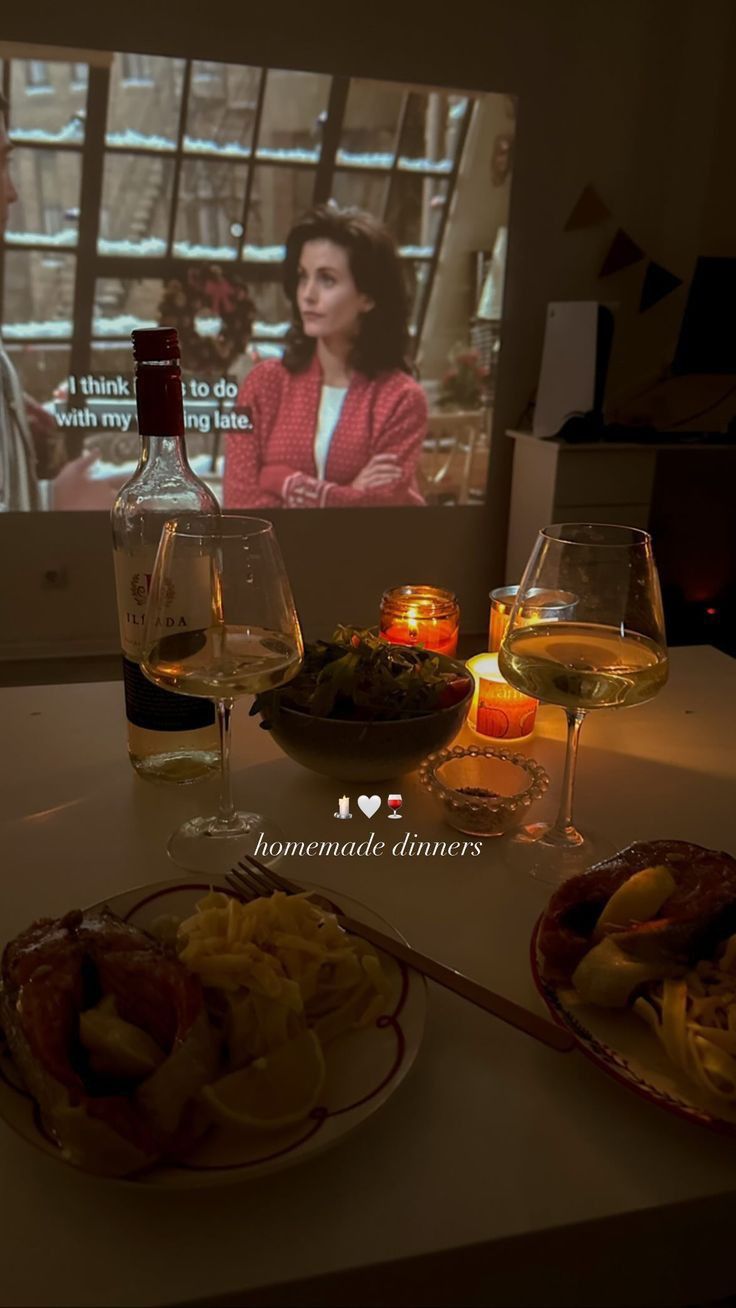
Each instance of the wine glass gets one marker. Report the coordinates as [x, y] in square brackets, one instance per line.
[609, 653]
[394, 803]
[220, 623]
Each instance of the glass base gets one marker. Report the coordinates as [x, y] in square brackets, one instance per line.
[540, 850]
[182, 767]
[201, 845]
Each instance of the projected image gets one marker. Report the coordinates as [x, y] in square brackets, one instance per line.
[331, 251]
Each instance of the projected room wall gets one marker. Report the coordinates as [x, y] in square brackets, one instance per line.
[162, 191]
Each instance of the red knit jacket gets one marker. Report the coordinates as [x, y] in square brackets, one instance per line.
[386, 415]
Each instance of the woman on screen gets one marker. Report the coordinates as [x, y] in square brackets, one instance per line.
[339, 420]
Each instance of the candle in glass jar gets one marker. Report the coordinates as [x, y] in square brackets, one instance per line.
[540, 605]
[497, 709]
[421, 615]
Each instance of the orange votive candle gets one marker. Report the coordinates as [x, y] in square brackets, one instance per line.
[421, 615]
[497, 709]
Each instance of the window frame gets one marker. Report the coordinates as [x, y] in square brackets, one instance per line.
[94, 150]
[37, 75]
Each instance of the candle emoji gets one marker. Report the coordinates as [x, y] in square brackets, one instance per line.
[343, 807]
[497, 709]
[421, 615]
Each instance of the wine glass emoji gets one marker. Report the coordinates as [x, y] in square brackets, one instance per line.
[394, 802]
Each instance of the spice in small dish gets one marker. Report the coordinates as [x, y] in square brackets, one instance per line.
[482, 791]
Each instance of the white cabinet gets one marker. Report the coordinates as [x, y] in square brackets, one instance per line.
[553, 481]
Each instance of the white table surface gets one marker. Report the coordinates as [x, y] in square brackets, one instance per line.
[492, 1137]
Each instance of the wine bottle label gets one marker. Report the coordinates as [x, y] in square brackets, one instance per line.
[133, 581]
[148, 706]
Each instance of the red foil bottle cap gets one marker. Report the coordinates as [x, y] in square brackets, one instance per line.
[155, 344]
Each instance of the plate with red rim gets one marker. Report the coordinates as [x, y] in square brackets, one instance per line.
[625, 1048]
[364, 1067]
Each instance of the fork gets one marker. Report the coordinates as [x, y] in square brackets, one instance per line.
[251, 879]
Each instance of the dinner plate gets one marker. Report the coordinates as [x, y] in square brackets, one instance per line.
[364, 1067]
[624, 1047]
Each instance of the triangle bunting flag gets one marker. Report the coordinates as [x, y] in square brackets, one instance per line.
[658, 282]
[622, 254]
[589, 210]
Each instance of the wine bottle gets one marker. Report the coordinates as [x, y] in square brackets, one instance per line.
[171, 737]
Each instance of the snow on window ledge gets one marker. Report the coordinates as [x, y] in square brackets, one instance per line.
[150, 245]
[231, 150]
[424, 165]
[53, 329]
[264, 253]
[274, 330]
[186, 250]
[287, 154]
[364, 159]
[64, 239]
[130, 139]
[72, 132]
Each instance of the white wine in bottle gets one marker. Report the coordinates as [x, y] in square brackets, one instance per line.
[170, 737]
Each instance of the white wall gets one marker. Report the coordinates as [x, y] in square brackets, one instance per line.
[625, 94]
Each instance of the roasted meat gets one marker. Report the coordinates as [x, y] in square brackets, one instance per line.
[697, 915]
[55, 970]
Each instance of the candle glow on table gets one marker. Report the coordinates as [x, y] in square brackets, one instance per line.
[421, 615]
[497, 709]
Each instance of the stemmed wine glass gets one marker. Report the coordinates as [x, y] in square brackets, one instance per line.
[220, 623]
[609, 653]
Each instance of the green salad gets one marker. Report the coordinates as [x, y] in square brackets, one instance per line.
[359, 677]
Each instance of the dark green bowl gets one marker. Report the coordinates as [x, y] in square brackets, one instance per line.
[366, 751]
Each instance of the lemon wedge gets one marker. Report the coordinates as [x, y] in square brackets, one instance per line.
[638, 899]
[606, 976]
[274, 1091]
[116, 1047]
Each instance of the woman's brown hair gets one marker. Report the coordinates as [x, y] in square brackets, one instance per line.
[382, 344]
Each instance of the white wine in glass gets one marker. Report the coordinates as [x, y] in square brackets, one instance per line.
[242, 637]
[610, 652]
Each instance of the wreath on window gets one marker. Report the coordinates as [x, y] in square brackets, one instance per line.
[208, 291]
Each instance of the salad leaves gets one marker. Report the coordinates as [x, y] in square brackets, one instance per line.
[357, 676]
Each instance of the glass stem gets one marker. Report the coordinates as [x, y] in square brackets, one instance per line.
[226, 817]
[563, 830]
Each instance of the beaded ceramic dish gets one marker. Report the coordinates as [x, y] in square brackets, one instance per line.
[482, 790]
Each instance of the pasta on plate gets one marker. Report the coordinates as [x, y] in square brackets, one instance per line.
[694, 1017]
[277, 966]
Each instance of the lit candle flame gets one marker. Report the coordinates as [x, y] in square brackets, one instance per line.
[412, 622]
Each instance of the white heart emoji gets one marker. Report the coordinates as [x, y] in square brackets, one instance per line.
[369, 804]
